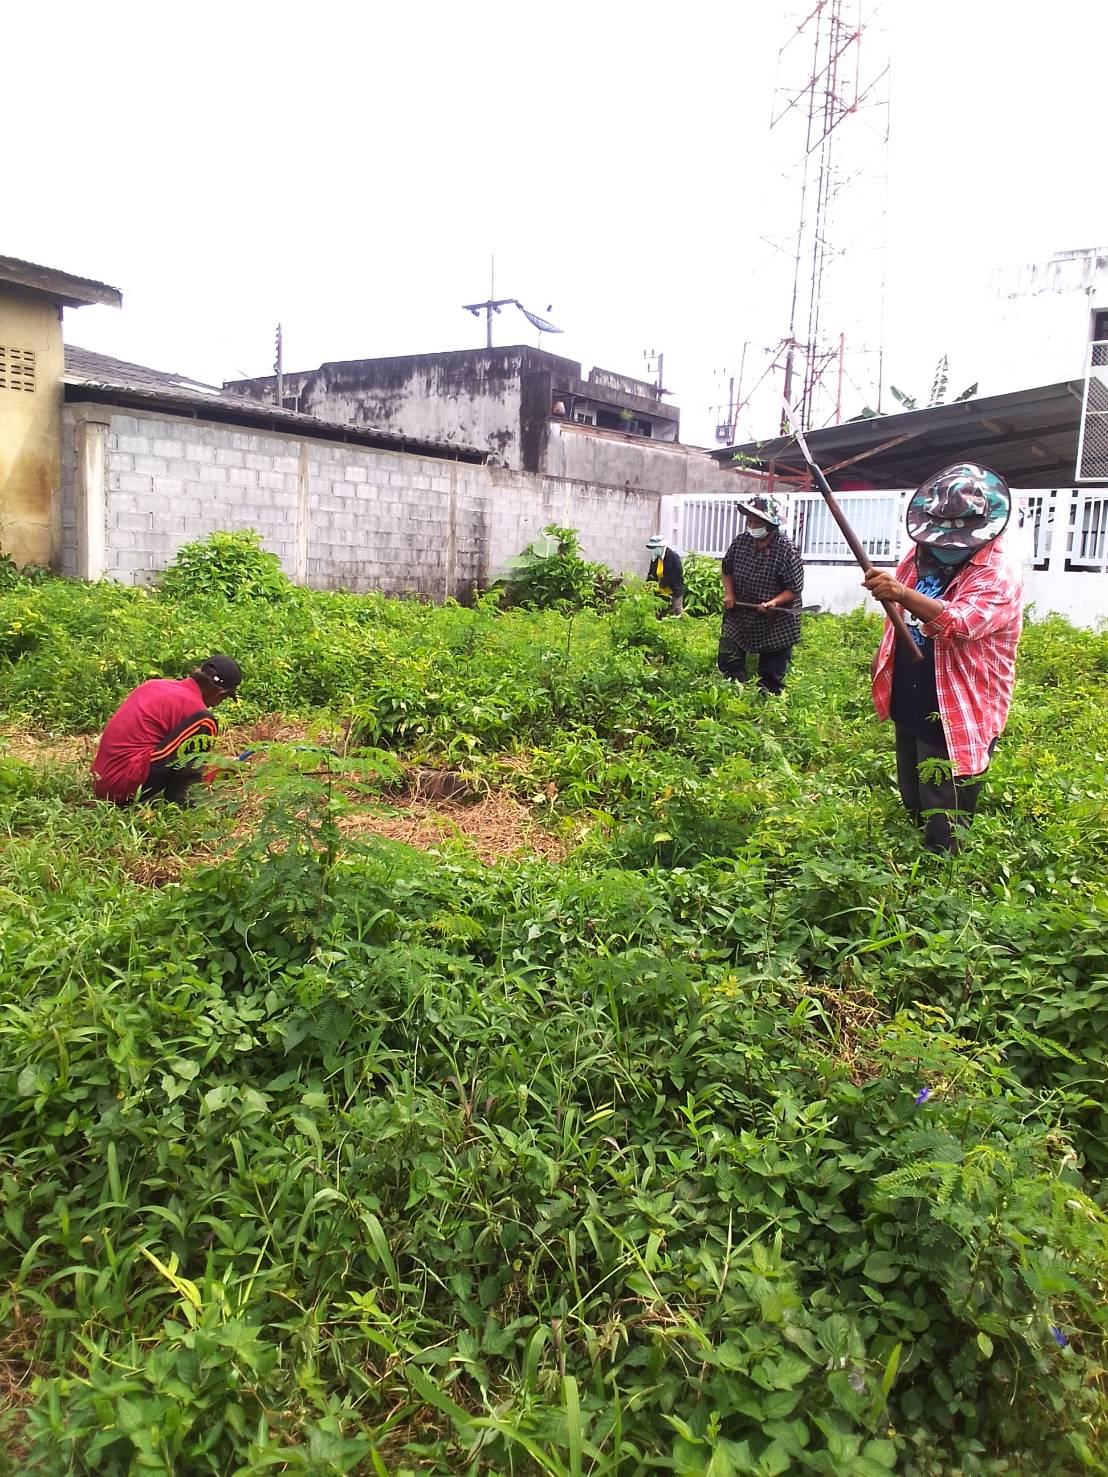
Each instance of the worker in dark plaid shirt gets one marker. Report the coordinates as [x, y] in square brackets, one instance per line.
[763, 578]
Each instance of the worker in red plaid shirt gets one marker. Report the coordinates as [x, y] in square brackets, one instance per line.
[962, 601]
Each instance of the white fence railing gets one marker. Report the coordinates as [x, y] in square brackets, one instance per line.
[1088, 535]
[707, 524]
[876, 517]
[704, 524]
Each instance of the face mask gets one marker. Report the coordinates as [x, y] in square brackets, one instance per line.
[951, 556]
[758, 532]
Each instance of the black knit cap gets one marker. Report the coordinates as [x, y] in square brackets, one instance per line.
[222, 672]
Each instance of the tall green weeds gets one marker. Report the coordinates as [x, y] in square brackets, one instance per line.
[749, 1140]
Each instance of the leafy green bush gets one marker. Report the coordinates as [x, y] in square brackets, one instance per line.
[9, 572]
[228, 566]
[703, 586]
[14, 576]
[550, 574]
[635, 617]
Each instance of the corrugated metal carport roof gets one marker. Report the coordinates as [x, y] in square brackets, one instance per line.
[1028, 436]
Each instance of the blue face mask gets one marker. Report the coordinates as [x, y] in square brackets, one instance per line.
[950, 556]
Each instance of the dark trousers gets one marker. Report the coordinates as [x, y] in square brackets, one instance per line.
[939, 806]
[174, 769]
[771, 666]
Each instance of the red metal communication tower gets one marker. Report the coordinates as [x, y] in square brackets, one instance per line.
[821, 96]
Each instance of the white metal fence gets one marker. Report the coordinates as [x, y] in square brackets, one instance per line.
[707, 524]
[1088, 537]
[876, 517]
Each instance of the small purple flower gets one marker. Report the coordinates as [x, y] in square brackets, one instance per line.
[922, 1096]
[1058, 1336]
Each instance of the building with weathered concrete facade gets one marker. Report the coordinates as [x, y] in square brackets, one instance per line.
[500, 399]
[153, 460]
[422, 476]
[32, 300]
[530, 410]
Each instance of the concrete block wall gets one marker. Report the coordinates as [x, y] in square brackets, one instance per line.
[614, 522]
[67, 498]
[338, 516]
[171, 480]
[379, 520]
[610, 459]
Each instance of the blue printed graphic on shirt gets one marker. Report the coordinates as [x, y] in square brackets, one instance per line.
[933, 586]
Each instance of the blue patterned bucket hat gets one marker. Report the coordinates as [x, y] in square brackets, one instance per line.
[961, 507]
[761, 506]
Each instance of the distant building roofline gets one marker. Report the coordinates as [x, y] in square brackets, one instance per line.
[101, 378]
[62, 287]
[602, 384]
[525, 351]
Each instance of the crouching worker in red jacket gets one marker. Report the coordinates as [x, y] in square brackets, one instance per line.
[153, 740]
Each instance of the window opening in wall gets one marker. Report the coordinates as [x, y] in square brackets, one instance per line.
[622, 420]
[17, 369]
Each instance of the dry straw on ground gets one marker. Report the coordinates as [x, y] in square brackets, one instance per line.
[434, 808]
[495, 826]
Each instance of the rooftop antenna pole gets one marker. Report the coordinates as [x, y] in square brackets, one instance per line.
[279, 369]
[492, 297]
[823, 104]
[884, 252]
[654, 363]
[493, 305]
[734, 401]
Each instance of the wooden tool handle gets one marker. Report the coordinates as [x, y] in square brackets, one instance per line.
[866, 564]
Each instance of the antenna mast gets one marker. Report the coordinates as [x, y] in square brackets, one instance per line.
[823, 102]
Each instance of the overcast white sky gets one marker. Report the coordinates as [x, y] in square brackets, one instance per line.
[349, 169]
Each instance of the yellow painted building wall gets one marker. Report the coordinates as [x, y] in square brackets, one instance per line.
[30, 427]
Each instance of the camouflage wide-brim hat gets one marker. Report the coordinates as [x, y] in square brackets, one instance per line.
[763, 507]
[961, 507]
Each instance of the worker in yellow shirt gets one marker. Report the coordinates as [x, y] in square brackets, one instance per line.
[665, 572]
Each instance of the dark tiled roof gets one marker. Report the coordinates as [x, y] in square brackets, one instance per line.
[63, 287]
[102, 377]
[85, 367]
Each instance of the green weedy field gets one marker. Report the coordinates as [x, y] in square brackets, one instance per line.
[743, 1139]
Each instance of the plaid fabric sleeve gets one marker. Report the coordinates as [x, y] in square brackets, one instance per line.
[981, 604]
[793, 571]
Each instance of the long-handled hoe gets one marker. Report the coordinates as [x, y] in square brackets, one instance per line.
[865, 563]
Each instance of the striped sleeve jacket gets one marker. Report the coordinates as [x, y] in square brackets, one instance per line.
[159, 718]
[975, 653]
